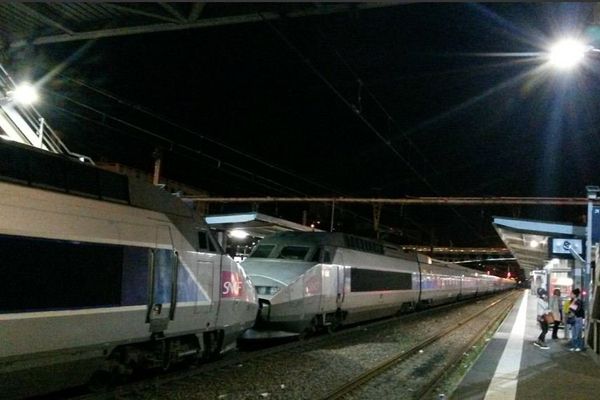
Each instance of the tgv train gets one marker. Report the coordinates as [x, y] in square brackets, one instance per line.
[311, 280]
[104, 274]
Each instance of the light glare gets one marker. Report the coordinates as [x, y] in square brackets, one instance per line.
[567, 53]
[238, 234]
[25, 93]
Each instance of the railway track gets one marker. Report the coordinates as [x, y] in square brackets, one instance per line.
[157, 385]
[426, 389]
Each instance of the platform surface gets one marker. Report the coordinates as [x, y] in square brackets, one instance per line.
[511, 367]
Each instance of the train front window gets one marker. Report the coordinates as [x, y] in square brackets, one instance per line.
[294, 252]
[262, 251]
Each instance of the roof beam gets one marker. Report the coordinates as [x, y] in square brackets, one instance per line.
[172, 10]
[48, 21]
[553, 201]
[175, 25]
[140, 12]
[197, 9]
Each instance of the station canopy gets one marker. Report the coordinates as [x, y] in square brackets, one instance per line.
[255, 224]
[33, 23]
[529, 241]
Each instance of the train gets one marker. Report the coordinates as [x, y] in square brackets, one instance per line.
[104, 275]
[310, 281]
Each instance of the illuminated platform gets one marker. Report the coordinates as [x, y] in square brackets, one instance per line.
[511, 367]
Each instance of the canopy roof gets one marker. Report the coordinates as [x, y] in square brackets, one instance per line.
[528, 240]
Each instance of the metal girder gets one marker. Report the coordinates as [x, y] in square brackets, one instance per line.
[462, 251]
[555, 201]
[173, 24]
[172, 10]
[196, 11]
[140, 12]
[48, 21]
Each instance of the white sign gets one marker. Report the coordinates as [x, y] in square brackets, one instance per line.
[564, 246]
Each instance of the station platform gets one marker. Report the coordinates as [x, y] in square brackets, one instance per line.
[511, 367]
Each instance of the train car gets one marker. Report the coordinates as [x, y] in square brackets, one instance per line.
[104, 275]
[311, 280]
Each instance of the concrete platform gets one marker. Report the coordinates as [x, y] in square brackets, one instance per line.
[511, 367]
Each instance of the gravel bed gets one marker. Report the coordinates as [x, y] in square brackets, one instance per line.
[405, 380]
[311, 371]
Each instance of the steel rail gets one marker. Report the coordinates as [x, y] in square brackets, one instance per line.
[465, 201]
[427, 391]
[365, 377]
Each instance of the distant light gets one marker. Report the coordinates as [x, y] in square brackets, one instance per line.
[238, 234]
[534, 244]
[567, 53]
[82, 159]
[25, 93]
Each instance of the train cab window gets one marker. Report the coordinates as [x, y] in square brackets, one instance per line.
[294, 252]
[205, 242]
[321, 255]
[262, 251]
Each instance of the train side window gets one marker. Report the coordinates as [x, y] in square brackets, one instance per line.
[40, 271]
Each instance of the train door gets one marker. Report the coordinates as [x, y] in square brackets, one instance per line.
[163, 282]
[341, 276]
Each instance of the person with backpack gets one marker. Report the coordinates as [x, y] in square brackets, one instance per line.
[577, 313]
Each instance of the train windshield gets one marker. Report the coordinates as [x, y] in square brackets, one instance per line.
[294, 252]
[262, 251]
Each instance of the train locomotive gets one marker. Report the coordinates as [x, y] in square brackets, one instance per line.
[105, 275]
[307, 281]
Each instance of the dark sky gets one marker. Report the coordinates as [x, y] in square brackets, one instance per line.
[455, 121]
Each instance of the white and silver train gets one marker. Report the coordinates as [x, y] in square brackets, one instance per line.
[313, 280]
[102, 274]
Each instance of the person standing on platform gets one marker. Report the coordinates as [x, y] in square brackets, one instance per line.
[542, 310]
[576, 310]
[555, 307]
[565, 313]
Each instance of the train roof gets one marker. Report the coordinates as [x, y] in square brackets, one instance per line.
[339, 239]
[29, 166]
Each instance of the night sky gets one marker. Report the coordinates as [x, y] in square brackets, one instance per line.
[409, 100]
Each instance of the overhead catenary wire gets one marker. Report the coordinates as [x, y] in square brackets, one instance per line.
[148, 112]
[159, 117]
[173, 145]
[363, 86]
[360, 116]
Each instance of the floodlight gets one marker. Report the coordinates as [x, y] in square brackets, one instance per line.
[25, 94]
[567, 53]
[238, 234]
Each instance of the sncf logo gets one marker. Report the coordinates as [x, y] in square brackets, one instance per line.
[231, 284]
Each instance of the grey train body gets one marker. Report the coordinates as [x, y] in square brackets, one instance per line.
[104, 275]
[311, 280]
